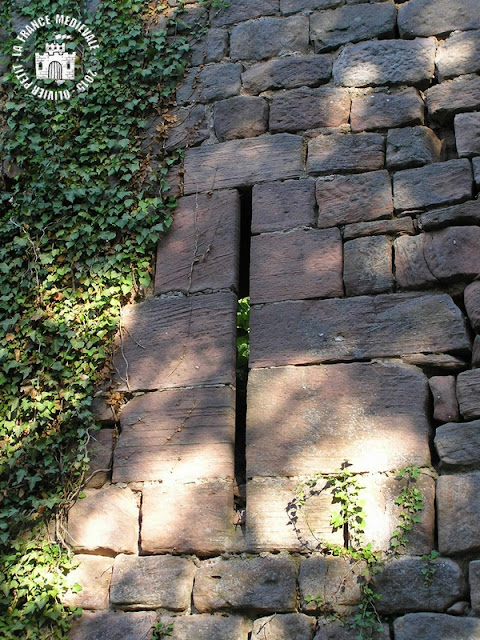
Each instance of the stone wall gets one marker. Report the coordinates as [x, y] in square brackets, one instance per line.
[351, 129]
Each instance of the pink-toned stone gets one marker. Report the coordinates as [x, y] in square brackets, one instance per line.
[382, 110]
[113, 625]
[468, 393]
[445, 405]
[394, 227]
[93, 575]
[472, 304]
[411, 269]
[368, 266]
[100, 449]
[453, 252]
[458, 214]
[448, 98]
[296, 265]
[339, 152]
[278, 206]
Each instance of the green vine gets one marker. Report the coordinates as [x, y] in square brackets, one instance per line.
[411, 502]
[81, 209]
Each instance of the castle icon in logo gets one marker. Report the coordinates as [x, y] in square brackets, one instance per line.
[55, 63]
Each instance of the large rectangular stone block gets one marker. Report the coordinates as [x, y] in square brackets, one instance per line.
[459, 214]
[278, 206]
[336, 580]
[314, 331]
[468, 393]
[338, 153]
[206, 627]
[458, 445]
[436, 626]
[178, 342]
[458, 55]
[240, 10]
[427, 18]
[288, 73]
[302, 420]
[458, 512]
[412, 147]
[200, 250]
[213, 82]
[239, 163]
[113, 625]
[269, 37]
[382, 110]
[296, 265]
[467, 134]
[306, 108]
[367, 266]
[448, 98]
[184, 434]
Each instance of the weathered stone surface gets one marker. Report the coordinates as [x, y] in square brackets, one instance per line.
[288, 73]
[278, 206]
[93, 575]
[273, 523]
[379, 227]
[445, 405]
[308, 332]
[200, 251]
[458, 445]
[335, 580]
[330, 29]
[213, 82]
[269, 37]
[190, 128]
[100, 449]
[293, 6]
[301, 420]
[476, 352]
[453, 96]
[296, 265]
[458, 506]
[213, 47]
[260, 584]
[240, 117]
[402, 586]
[471, 298]
[436, 626]
[464, 213]
[474, 580]
[337, 153]
[206, 627]
[152, 582]
[113, 625]
[468, 393]
[307, 108]
[240, 163]
[193, 339]
[295, 626]
[467, 134]
[458, 55]
[187, 518]
[447, 182]
[453, 252]
[328, 629]
[184, 434]
[240, 10]
[435, 361]
[412, 147]
[382, 110]
[435, 17]
[346, 199]
[380, 62]
[476, 171]
[105, 522]
[368, 266]
[103, 411]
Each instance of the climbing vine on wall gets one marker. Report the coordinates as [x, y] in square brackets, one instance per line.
[81, 210]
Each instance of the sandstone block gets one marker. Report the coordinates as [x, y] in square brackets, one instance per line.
[102, 411]
[402, 586]
[240, 117]
[288, 73]
[368, 266]
[379, 227]
[445, 405]
[476, 352]
[372, 415]
[182, 434]
[193, 340]
[468, 393]
[436, 626]
[113, 625]
[278, 206]
[201, 249]
[328, 629]
[100, 450]
[458, 445]
[472, 304]
[240, 10]
[347, 199]
[338, 153]
[382, 110]
[105, 522]
[428, 17]
[412, 147]
[448, 182]
[386, 62]
[335, 580]
[458, 506]
[152, 582]
[261, 584]
[459, 214]
[240, 163]
[286, 625]
[467, 134]
[296, 265]
[330, 29]
[275, 524]
[294, 6]
[435, 361]
[189, 128]
[474, 580]
[313, 331]
[307, 108]
[213, 82]
[476, 171]
[448, 98]
[453, 252]
[206, 627]
[93, 575]
[269, 37]
[213, 47]
[458, 55]
[187, 518]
